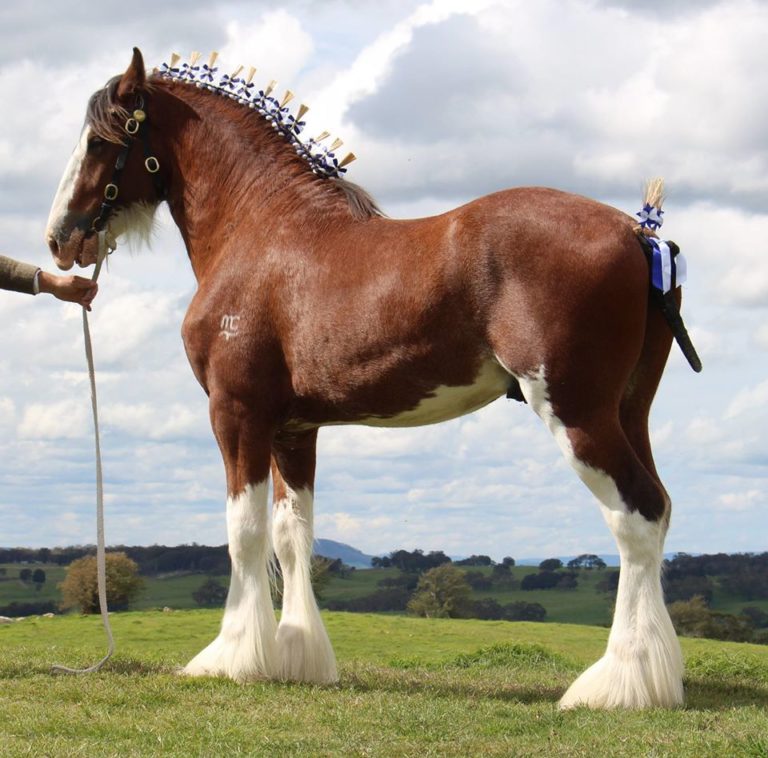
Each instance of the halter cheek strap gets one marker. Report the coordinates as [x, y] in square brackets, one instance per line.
[135, 127]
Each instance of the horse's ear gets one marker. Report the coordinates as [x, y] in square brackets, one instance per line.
[134, 77]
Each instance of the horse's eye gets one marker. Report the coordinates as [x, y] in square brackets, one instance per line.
[94, 143]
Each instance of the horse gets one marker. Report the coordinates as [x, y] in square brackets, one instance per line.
[313, 308]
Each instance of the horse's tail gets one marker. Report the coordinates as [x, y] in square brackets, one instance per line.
[666, 269]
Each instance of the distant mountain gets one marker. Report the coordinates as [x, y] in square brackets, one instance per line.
[348, 554]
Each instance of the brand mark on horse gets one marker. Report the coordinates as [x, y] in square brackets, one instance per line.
[230, 326]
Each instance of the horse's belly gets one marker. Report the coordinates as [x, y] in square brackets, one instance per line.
[447, 402]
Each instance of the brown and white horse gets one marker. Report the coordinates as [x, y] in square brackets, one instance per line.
[314, 309]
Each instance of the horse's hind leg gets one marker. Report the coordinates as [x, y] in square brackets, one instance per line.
[304, 649]
[642, 665]
[245, 648]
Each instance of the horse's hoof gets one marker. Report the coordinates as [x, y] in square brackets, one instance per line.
[633, 684]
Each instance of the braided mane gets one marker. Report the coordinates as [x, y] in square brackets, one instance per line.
[106, 117]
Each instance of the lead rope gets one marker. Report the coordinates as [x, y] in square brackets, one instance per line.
[105, 247]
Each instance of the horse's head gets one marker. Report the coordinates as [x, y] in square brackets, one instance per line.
[111, 173]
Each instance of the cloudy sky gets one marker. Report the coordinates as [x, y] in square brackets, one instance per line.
[442, 102]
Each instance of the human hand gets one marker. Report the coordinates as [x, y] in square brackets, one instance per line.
[72, 289]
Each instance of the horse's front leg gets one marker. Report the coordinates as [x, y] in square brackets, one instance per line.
[245, 648]
[305, 651]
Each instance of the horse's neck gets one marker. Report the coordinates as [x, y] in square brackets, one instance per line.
[227, 165]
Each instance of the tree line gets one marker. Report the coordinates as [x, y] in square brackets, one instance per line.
[431, 583]
[151, 560]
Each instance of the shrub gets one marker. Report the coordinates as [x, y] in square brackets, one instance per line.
[403, 581]
[692, 618]
[477, 580]
[758, 618]
[609, 583]
[210, 594]
[441, 592]
[547, 580]
[381, 601]
[16, 608]
[522, 611]
[502, 574]
[80, 588]
[687, 587]
[486, 609]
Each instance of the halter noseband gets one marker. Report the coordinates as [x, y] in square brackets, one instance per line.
[135, 127]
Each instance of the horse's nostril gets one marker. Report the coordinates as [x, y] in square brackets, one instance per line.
[53, 246]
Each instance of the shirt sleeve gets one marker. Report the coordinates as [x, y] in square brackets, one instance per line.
[18, 276]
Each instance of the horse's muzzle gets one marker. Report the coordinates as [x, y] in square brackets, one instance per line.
[78, 247]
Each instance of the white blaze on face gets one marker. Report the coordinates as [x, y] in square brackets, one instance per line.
[67, 184]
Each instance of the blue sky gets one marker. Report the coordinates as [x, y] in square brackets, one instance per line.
[442, 102]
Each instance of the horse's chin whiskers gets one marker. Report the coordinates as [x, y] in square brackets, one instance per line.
[134, 224]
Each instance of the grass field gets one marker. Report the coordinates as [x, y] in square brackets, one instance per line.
[409, 687]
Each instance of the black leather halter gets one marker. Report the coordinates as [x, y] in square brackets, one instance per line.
[136, 128]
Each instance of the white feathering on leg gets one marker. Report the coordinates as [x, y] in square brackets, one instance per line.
[305, 651]
[245, 648]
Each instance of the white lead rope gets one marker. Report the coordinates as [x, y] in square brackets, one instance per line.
[101, 563]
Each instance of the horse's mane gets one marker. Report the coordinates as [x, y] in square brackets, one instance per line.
[106, 118]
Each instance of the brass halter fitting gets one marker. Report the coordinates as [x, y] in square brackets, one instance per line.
[134, 125]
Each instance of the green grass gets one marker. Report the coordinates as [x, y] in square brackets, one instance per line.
[409, 687]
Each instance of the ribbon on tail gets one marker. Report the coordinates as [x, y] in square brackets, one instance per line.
[668, 271]
[650, 217]
[668, 267]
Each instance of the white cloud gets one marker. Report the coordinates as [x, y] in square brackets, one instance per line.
[276, 43]
[761, 336]
[748, 400]
[124, 327]
[660, 435]
[66, 419]
[7, 412]
[343, 524]
[154, 422]
[742, 501]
